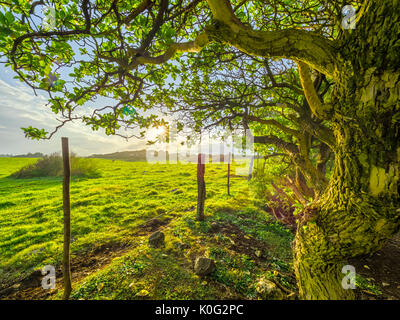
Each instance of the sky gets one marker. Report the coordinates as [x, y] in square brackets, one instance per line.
[19, 107]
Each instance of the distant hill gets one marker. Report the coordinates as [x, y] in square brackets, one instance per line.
[141, 155]
[137, 155]
[28, 155]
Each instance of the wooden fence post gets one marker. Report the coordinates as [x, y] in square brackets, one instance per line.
[67, 219]
[251, 168]
[201, 187]
[229, 171]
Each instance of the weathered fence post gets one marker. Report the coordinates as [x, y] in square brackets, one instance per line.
[167, 140]
[251, 168]
[229, 171]
[67, 219]
[201, 186]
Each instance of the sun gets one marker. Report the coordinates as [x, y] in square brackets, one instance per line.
[156, 133]
[159, 131]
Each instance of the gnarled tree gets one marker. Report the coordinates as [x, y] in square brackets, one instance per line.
[127, 47]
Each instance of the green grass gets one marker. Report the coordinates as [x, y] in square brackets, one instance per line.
[112, 208]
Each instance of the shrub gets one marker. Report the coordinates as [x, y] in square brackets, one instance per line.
[283, 211]
[82, 167]
[275, 200]
[52, 166]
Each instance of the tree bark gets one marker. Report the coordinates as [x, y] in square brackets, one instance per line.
[359, 211]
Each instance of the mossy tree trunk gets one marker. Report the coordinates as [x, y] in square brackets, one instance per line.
[359, 212]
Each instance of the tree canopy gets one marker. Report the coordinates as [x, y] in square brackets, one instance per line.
[115, 53]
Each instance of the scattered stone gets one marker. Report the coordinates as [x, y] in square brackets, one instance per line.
[215, 226]
[291, 296]
[16, 286]
[204, 266]
[182, 245]
[36, 251]
[268, 290]
[176, 191]
[156, 240]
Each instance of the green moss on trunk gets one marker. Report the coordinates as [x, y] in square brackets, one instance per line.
[359, 211]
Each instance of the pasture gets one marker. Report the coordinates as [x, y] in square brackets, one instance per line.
[111, 219]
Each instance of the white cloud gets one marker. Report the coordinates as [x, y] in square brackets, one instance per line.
[19, 107]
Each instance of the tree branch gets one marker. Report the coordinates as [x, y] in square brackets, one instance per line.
[318, 108]
[294, 44]
[272, 122]
[191, 46]
[291, 148]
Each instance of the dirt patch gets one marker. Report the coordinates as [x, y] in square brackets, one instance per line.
[151, 226]
[82, 264]
[383, 269]
[255, 249]
[241, 242]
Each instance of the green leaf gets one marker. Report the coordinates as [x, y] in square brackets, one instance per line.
[10, 18]
[2, 19]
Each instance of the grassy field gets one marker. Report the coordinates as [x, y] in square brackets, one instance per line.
[111, 221]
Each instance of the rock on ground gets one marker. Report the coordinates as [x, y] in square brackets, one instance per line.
[204, 266]
[268, 290]
[157, 239]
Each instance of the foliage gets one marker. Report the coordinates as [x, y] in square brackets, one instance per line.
[283, 211]
[364, 284]
[265, 174]
[52, 166]
[121, 50]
